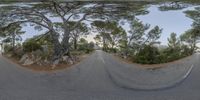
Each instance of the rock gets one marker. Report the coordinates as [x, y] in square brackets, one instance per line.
[55, 63]
[46, 61]
[9, 55]
[65, 58]
[37, 53]
[45, 48]
[38, 61]
[70, 62]
[23, 58]
[125, 57]
[28, 62]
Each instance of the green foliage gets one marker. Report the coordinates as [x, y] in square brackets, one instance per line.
[140, 45]
[31, 45]
[174, 42]
[169, 54]
[110, 34]
[11, 34]
[153, 35]
[147, 55]
[186, 51]
[173, 51]
[151, 55]
[84, 46]
[174, 5]
[191, 38]
[7, 48]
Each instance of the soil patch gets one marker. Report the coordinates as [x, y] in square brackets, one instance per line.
[47, 68]
[148, 66]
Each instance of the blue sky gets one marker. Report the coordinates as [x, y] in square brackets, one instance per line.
[170, 21]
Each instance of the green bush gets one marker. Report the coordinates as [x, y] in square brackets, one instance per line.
[148, 55]
[8, 48]
[31, 45]
[112, 50]
[86, 47]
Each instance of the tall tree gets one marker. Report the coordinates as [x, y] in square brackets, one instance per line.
[139, 37]
[137, 32]
[40, 15]
[110, 33]
[174, 5]
[153, 35]
[191, 38]
[104, 33]
[116, 35]
[12, 34]
[173, 41]
[81, 30]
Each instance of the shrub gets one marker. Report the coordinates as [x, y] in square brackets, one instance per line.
[8, 48]
[31, 45]
[148, 55]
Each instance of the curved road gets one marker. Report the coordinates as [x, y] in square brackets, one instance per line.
[88, 80]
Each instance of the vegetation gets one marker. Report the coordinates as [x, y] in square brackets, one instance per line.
[142, 45]
[85, 46]
[109, 35]
[66, 37]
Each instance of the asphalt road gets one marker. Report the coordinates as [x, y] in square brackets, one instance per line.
[88, 80]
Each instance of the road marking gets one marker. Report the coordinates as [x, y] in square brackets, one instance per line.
[188, 72]
[102, 60]
[100, 57]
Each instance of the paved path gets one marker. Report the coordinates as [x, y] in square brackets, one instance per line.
[88, 80]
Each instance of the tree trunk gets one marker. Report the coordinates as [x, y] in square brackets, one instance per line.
[75, 43]
[57, 48]
[60, 48]
[104, 44]
[13, 41]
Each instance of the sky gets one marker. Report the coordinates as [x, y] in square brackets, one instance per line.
[170, 21]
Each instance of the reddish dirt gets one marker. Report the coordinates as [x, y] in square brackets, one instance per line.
[48, 68]
[149, 66]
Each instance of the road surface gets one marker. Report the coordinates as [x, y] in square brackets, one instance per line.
[88, 80]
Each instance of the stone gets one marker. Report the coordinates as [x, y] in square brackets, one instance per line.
[37, 53]
[28, 62]
[45, 48]
[70, 62]
[55, 63]
[38, 60]
[9, 55]
[125, 57]
[65, 58]
[46, 61]
[23, 58]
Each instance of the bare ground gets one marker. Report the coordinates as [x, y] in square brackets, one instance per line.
[148, 66]
[47, 68]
